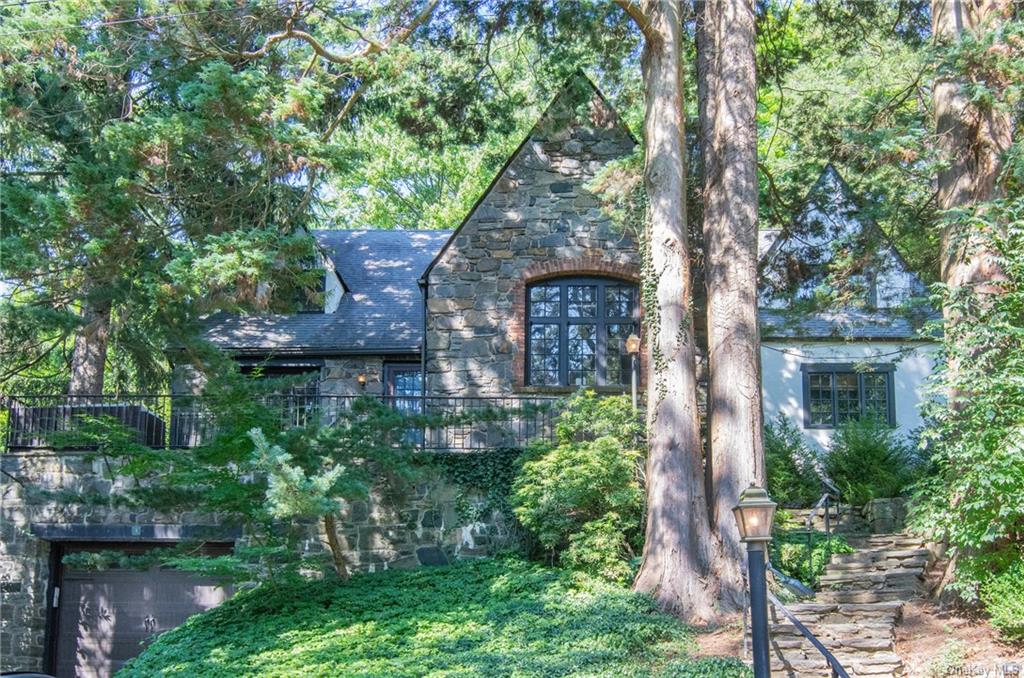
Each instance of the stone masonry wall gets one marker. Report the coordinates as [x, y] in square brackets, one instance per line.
[538, 220]
[419, 526]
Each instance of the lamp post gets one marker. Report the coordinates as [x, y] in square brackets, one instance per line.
[633, 349]
[754, 515]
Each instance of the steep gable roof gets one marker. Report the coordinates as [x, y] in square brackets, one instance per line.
[831, 234]
[381, 311]
[578, 103]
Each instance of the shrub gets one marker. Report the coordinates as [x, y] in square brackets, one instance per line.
[868, 460]
[494, 618]
[1003, 596]
[792, 478]
[949, 661]
[789, 554]
[581, 497]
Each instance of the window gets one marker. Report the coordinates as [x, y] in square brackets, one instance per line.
[577, 330]
[835, 393]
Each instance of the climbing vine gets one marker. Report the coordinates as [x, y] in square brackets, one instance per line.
[487, 474]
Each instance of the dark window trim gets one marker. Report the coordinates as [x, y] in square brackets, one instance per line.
[563, 320]
[389, 375]
[860, 369]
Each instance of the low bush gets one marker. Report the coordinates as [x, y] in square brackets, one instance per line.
[789, 554]
[581, 496]
[584, 498]
[793, 480]
[482, 619]
[1003, 596]
[869, 460]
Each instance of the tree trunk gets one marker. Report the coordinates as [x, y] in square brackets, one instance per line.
[679, 555]
[728, 86]
[972, 142]
[336, 546]
[89, 356]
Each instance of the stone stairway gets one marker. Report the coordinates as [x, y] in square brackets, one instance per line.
[856, 611]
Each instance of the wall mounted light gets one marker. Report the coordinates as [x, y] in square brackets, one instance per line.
[633, 349]
[362, 381]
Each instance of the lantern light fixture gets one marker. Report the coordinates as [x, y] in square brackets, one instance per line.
[632, 344]
[754, 515]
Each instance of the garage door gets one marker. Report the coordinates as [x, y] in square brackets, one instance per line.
[106, 617]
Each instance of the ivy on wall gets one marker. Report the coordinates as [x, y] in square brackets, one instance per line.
[487, 474]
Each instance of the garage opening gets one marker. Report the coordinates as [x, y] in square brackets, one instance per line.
[104, 617]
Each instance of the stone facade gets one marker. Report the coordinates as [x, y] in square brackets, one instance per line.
[340, 376]
[417, 526]
[538, 220]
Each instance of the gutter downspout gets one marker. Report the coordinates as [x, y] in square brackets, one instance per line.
[422, 282]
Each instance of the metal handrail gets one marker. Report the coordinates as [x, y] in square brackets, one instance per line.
[837, 669]
[169, 421]
[825, 502]
[794, 585]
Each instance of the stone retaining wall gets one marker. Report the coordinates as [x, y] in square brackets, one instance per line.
[37, 504]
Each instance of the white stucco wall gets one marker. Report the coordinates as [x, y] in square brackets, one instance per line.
[782, 379]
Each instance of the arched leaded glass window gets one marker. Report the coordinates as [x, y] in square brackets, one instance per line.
[577, 330]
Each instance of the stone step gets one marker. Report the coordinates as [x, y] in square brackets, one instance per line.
[834, 636]
[879, 555]
[885, 541]
[856, 612]
[898, 578]
[877, 596]
[887, 564]
[807, 665]
[889, 612]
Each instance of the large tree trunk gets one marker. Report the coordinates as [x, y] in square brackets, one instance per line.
[90, 353]
[680, 551]
[728, 92]
[972, 142]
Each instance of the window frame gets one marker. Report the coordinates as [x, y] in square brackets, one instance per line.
[599, 321]
[860, 370]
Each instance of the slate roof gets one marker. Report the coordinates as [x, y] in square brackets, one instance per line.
[844, 324]
[381, 312]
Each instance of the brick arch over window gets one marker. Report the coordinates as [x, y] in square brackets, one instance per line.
[589, 265]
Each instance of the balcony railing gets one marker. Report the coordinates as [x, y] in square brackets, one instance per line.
[437, 423]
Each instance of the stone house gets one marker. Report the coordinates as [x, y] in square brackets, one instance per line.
[533, 295]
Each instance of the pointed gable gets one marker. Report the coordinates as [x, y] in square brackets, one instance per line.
[537, 220]
[832, 253]
[575, 136]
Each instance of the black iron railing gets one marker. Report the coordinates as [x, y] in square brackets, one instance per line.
[183, 421]
[831, 497]
[836, 669]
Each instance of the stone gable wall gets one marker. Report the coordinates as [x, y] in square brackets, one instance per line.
[538, 212]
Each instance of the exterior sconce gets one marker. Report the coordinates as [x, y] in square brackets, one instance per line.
[633, 349]
[362, 382]
[632, 344]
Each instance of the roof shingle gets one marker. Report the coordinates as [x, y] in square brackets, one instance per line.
[382, 312]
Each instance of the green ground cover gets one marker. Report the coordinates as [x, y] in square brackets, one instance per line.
[489, 618]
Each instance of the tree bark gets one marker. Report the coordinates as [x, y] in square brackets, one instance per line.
[336, 546]
[89, 356]
[680, 550]
[728, 91]
[971, 141]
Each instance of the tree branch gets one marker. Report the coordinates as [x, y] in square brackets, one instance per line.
[636, 13]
